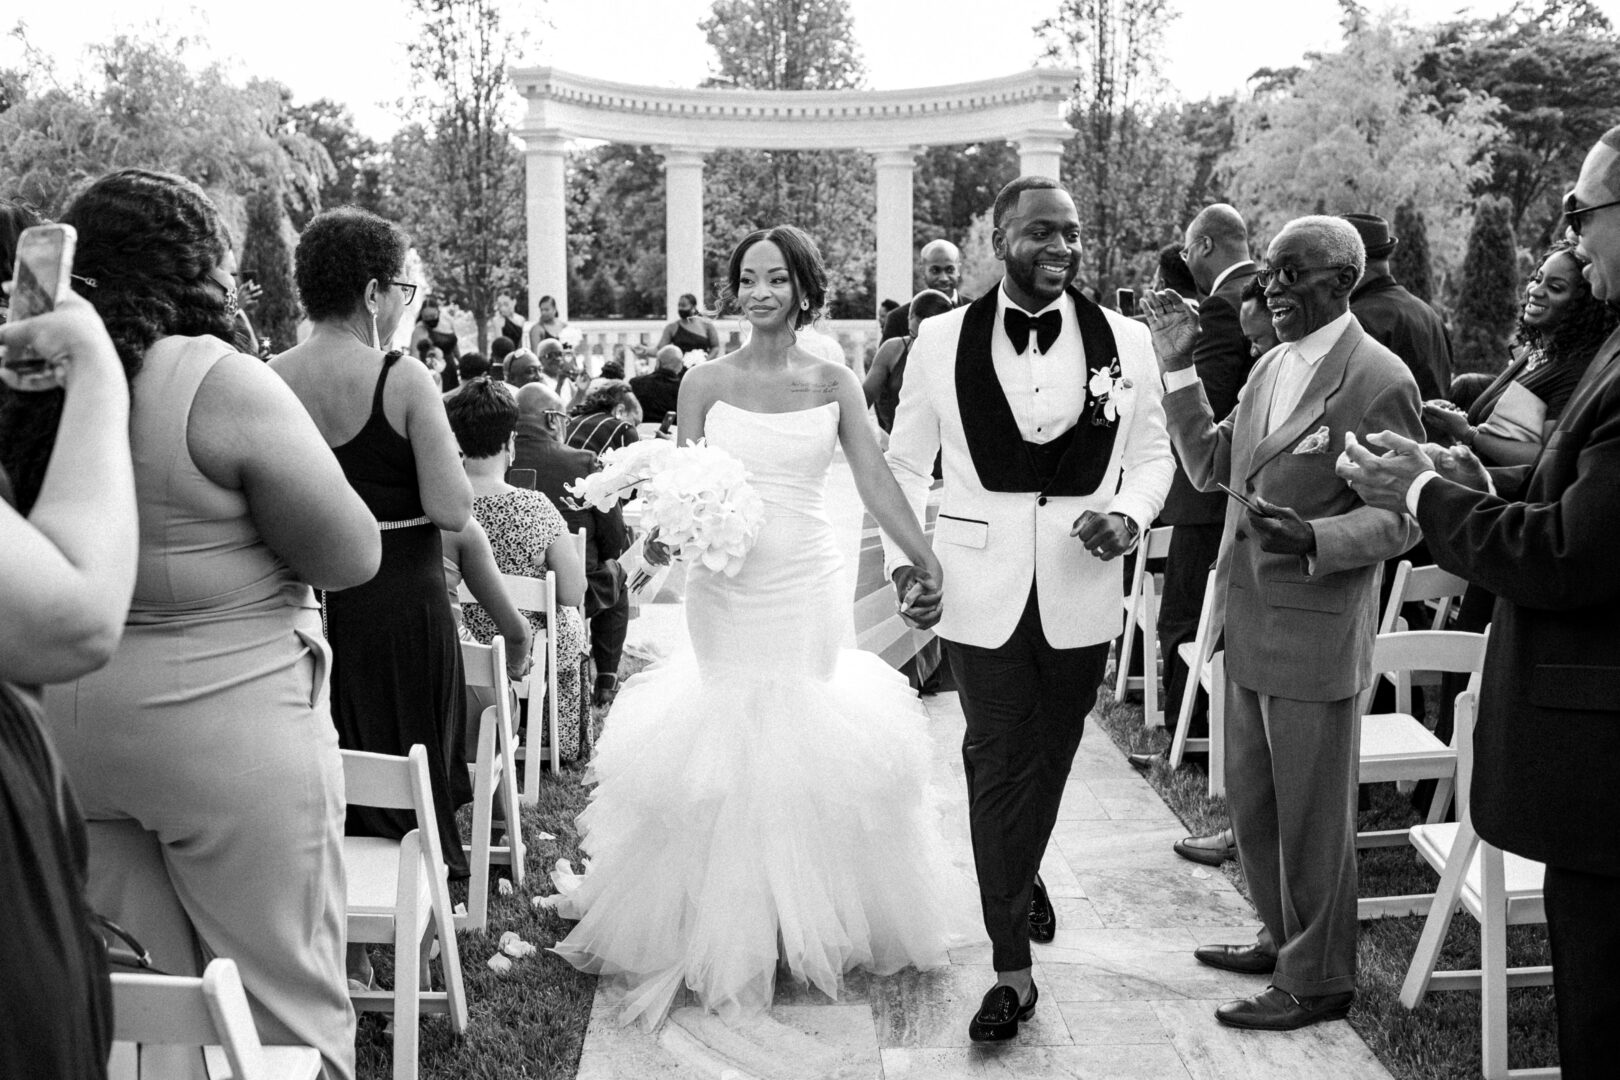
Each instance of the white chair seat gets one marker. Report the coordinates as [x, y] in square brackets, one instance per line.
[1521, 877]
[1395, 746]
[372, 866]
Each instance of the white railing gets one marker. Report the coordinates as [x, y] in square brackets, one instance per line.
[625, 339]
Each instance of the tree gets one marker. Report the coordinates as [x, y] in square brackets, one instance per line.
[1488, 302]
[953, 185]
[1127, 165]
[1356, 130]
[1557, 73]
[793, 45]
[267, 250]
[615, 212]
[358, 163]
[1410, 263]
[459, 175]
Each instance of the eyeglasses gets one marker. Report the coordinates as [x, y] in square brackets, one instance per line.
[1573, 211]
[553, 416]
[407, 288]
[1288, 276]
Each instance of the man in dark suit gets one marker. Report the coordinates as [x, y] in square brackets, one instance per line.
[539, 446]
[941, 265]
[1216, 251]
[1297, 592]
[1547, 742]
[658, 390]
[1396, 319]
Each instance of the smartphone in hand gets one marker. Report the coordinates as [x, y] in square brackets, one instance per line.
[1252, 508]
[42, 277]
[1125, 301]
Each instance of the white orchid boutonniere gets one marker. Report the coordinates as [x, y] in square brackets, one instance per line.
[1110, 390]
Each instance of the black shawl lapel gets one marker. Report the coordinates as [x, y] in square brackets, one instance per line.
[1000, 456]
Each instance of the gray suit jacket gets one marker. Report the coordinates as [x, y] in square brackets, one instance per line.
[1299, 629]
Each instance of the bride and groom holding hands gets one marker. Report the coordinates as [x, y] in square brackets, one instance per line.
[761, 805]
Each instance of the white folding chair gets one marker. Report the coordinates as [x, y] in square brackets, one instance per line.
[399, 895]
[1442, 591]
[538, 594]
[211, 1013]
[1399, 747]
[494, 777]
[1499, 890]
[1142, 611]
[1206, 668]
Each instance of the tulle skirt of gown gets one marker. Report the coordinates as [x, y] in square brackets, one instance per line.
[764, 798]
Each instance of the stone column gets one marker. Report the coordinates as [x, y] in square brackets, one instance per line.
[1041, 154]
[545, 200]
[683, 224]
[894, 226]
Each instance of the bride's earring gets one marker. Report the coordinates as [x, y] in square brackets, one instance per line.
[376, 338]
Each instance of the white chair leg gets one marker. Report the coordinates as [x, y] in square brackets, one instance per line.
[1441, 802]
[1189, 697]
[1217, 724]
[1427, 954]
[407, 962]
[1493, 966]
[1152, 713]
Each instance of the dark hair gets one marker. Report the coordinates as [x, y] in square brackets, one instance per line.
[472, 365]
[689, 296]
[612, 369]
[606, 398]
[803, 263]
[1007, 197]
[928, 303]
[1253, 291]
[14, 218]
[1174, 272]
[887, 306]
[552, 300]
[1466, 388]
[339, 251]
[1587, 320]
[500, 347]
[483, 415]
[148, 240]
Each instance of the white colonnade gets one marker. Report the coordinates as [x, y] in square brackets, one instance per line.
[1026, 109]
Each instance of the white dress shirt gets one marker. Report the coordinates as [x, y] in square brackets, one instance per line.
[1046, 391]
[1297, 364]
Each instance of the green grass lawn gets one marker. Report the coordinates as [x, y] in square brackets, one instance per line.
[1440, 1040]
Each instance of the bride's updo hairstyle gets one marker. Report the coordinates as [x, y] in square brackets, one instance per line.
[803, 263]
[483, 414]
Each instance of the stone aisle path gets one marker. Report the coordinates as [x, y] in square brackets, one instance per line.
[1121, 995]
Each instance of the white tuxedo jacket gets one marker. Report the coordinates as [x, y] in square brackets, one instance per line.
[997, 531]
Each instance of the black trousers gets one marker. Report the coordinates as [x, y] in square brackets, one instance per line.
[1026, 706]
[1583, 925]
[1186, 571]
[607, 605]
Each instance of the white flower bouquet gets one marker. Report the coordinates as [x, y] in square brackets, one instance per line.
[696, 498]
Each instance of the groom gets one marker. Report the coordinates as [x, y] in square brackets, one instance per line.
[1046, 411]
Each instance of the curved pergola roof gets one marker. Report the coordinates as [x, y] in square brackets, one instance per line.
[1023, 106]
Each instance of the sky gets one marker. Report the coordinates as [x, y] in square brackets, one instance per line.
[353, 51]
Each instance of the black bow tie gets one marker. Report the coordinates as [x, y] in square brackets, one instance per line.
[1019, 324]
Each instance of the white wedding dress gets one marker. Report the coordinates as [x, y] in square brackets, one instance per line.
[765, 798]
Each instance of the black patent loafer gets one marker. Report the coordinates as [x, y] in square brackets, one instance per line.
[1000, 1014]
[1042, 919]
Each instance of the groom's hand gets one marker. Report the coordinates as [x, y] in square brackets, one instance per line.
[917, 597]
[1107, 536]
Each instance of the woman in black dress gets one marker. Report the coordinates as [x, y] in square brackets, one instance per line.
[396, 661]
[691, 331]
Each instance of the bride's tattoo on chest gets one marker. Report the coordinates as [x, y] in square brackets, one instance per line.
[814, 388]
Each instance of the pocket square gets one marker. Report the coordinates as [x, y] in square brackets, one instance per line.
[1314, 443]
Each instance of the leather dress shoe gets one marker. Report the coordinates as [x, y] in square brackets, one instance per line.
[1243, 959]
[999, 1014]
[1208, 850]
[1278, 1010]
[1042, 919]
[1145, 762]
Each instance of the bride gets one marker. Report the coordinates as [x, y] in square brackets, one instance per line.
[764, 801]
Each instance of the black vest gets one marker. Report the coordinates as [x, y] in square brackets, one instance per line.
[1071, 464]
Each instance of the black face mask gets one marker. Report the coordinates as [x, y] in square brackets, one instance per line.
[430, 321]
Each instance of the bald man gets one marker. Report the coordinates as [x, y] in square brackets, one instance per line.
[1547, 738]
[539, 446]
[940, 263]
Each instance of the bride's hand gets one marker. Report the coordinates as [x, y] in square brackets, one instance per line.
[919, 594]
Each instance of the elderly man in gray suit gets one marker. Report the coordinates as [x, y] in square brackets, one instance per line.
[1297, 577]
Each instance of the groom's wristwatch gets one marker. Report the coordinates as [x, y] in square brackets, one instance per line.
[1132, 530]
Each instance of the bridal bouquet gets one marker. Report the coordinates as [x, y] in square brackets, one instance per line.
[697, 497]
